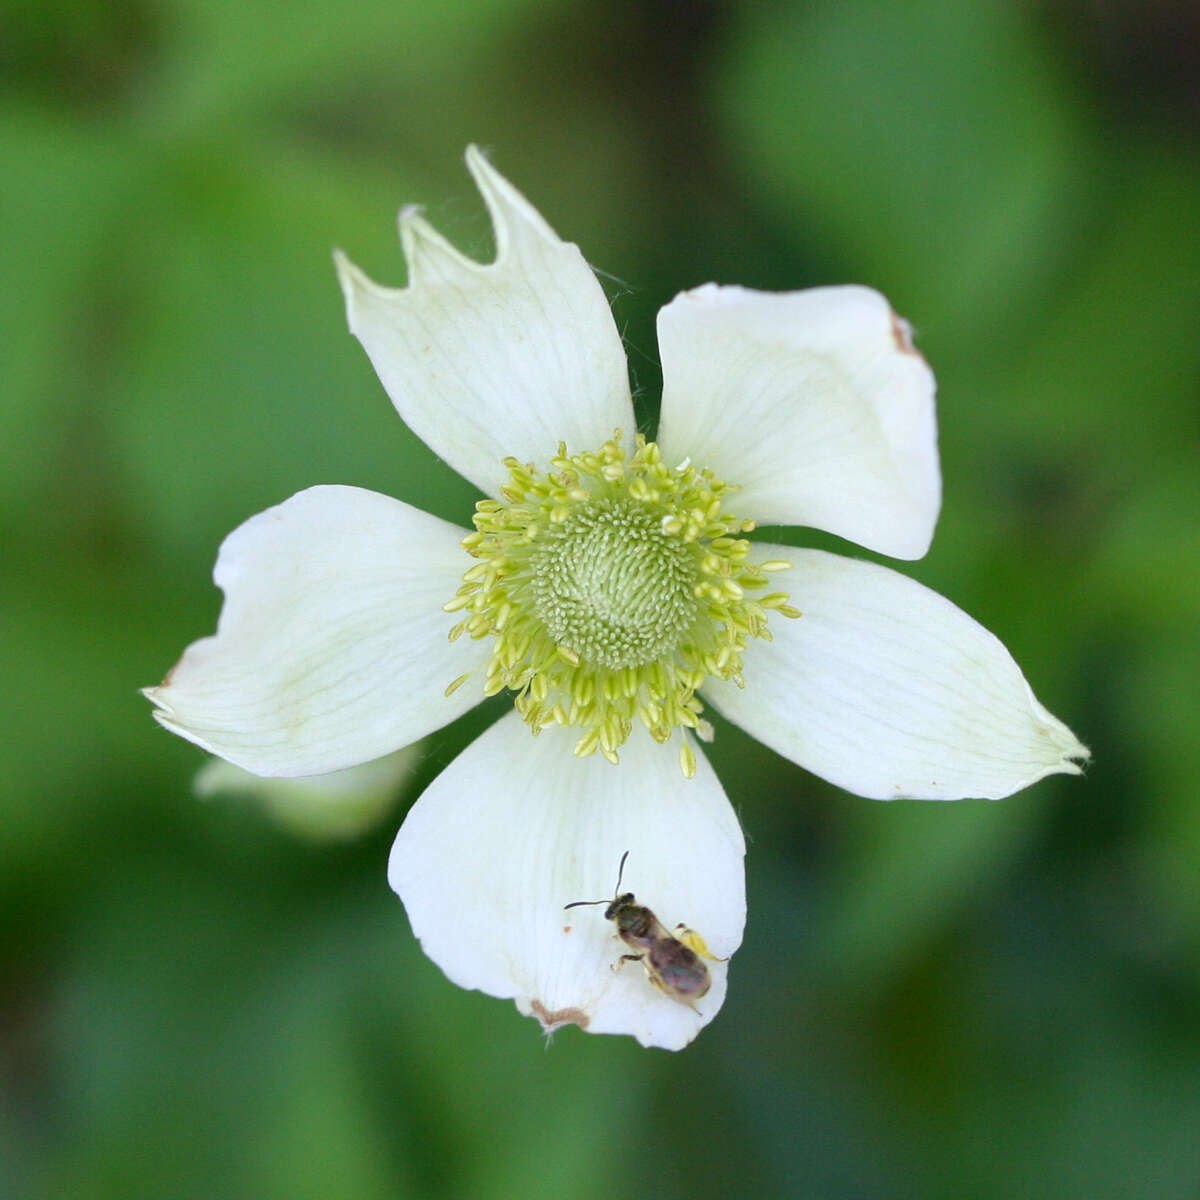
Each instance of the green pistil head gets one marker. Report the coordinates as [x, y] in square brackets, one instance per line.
[611, 586]
[613, 589]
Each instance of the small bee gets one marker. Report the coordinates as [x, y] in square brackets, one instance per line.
[672, 961]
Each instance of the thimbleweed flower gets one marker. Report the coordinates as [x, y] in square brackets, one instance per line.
[609, 588]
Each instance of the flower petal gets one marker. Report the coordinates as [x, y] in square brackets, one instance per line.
[814, 402]
[331, 807]
[886, 689]
[504, 359]
[517, 827]
[332, 644]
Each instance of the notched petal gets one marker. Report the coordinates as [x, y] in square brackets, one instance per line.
[484, 361]
[431, 259]
[514, 219]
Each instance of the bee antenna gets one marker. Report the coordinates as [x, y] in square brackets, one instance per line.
[620, 873]
[616, 891]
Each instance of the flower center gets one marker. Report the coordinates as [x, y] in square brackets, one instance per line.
[613, 589]
[610, 585]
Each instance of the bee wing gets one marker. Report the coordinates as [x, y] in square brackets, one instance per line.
[678, 969]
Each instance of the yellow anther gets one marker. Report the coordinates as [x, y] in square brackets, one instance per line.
[452, 688]
[687, 760]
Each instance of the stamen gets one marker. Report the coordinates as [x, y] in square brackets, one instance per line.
[613, 590]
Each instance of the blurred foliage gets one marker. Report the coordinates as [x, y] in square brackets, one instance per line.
[985, 1000]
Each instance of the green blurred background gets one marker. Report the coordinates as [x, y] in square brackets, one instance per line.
[964, 1000]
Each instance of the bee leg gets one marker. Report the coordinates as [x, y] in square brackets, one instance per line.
[624, 959]
[691, 939]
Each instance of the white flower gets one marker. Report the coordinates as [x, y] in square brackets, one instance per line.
[608, 587]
